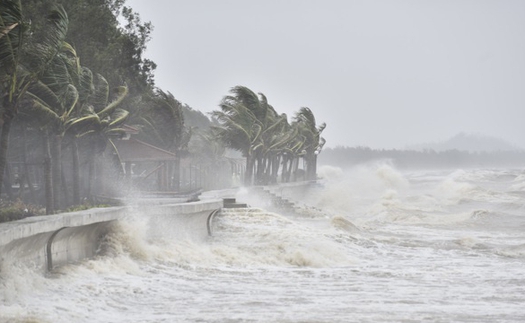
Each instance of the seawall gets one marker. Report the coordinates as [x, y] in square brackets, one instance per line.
[44, 242]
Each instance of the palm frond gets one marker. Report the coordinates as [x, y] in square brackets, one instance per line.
[39, 91]
[122, 92]
[100, 95]
[118, 117]
[5, 30]
[42, 53]
[10, 32]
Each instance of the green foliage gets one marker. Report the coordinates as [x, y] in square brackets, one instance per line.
[86, 206]
[305, 121]
[104, 45]
[249, 124]
[23, 61]
[163, 123]
[12, 211]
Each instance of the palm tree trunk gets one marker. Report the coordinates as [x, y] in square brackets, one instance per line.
[26, 167]
[284, 172]
[295, 165]
[65, 192]
[4, 145]
[76, 171]
[261, 164]
[268, 171]
[275, 169]
[313, 174]
[7, 182]
[91, 177]
[56, 160]
[248, 174]
[48, 176]
[291, 168]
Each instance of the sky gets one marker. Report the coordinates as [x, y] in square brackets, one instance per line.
[383, 74]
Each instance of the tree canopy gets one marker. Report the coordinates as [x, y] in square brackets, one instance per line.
[105, 45]
[249, 124]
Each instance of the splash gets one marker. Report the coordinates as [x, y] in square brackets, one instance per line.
[16, 281]
[344, 224]
[354, 190]
[264, 238]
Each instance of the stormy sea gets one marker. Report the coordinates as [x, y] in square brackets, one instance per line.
[369, 244]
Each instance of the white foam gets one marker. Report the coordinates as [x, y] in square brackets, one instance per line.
[407, 235]
[263, 238]
[353, 191]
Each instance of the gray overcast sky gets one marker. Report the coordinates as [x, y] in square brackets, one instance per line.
[384, 74]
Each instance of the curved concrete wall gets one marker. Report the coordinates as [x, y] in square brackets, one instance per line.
[44, 242]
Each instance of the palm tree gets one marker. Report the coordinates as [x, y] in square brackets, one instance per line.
[72, 103]
[280, 147]
[240, 127]
[99, 121]
[313, 142]
[249, 124]
[163, 122]
[11, 37]
[55, 100]
[22, 61]
[291, 152]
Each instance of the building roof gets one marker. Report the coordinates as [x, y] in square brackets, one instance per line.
[133, 150]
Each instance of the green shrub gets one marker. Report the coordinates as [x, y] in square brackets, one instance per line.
[85, 206]
[11, 211]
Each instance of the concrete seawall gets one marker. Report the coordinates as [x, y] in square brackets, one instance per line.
[44, 242]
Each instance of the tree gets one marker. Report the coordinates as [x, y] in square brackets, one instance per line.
[55, 102]
[163, 122]
[71, 105]
[249, 124]
[313, 142]
[22, 60]
[99, 123]
[109, 37]
[239, 126]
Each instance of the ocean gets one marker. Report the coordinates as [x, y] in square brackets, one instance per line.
[373, 244]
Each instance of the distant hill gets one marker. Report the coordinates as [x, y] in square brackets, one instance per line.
[469, 142]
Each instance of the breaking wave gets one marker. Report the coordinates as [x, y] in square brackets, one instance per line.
[257, 237]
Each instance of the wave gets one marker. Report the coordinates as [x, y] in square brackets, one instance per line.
[353, 190]
[257, 237]
[17, 280]
[242, 238]
[519, 183]
[451, 191]
[344, 224]
[507, 251]
[512, 251]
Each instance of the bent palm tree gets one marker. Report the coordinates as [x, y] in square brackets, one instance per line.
[239, 129]
[313, 142]
[22, 61]
[55, 100]
[99, 120]
[164, 125]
